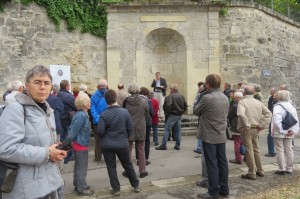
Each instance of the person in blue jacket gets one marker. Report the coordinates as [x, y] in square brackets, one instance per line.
[79, 133]
[98, 105]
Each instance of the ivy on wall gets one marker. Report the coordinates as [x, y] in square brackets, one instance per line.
[87, 15]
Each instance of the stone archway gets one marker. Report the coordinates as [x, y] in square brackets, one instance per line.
[164, 50]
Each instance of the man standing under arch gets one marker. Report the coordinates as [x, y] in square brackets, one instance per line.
[159, 86]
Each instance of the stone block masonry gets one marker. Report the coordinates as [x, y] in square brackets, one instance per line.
[185, 42]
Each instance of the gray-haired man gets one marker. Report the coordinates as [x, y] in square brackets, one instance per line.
[253, 116]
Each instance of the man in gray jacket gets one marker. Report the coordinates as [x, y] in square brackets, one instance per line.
[212, 111]
[174, 106]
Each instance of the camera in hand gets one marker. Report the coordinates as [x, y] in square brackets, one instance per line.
[65, 145]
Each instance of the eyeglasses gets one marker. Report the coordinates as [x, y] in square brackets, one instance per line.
[40, 83]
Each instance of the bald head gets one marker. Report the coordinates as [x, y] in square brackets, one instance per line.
[272, 91]
[249, 90]
[282, 87]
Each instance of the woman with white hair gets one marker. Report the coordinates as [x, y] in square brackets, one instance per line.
[283, 138]
[79, 133]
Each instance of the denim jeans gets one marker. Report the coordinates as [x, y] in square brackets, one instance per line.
[270, 139]
[204, 168]
[111, 165]
[199, 145]
[217, 168]
[155, 134]
[173, 120]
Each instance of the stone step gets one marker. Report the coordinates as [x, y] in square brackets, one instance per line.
[189, 124]
[186, 131]
[183, 124]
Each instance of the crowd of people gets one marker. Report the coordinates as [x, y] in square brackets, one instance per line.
[40, 118]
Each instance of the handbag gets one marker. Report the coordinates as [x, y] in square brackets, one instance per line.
[288, 121]
[9, 171]
[8, 175]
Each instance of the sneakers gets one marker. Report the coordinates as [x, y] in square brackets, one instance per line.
[202, 184]
[235, 161]
[142, 175]
[224, 195]
[176, 147]
[85, 192]
[206, 195]
[260, 174]
[156, 144]
[280, 172]
[137, 189]
[197, 151]
[161, 148]
[248, 177]
[115, 193]
[270, 154]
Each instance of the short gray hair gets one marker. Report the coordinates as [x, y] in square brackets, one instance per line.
[83, 87]
[102, 83]
[38, 69]
[174, 86]
[283, 95]
[15, 85]
[151, 94]
[257, 88]
[55, 87]
[133, 88]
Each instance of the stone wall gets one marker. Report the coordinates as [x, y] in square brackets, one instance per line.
[241, 46]
[254, 40]
[28, 37]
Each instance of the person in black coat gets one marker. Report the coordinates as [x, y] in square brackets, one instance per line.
[114, 129]
[270, 141]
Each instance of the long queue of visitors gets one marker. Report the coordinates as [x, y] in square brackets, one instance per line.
[44, 126]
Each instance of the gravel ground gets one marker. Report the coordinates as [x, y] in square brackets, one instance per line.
[279, 187]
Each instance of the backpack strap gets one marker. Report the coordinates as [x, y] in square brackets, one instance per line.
[282, 106]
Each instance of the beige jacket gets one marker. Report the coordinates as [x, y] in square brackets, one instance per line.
[251, 112]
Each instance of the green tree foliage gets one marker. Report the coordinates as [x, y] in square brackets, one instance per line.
[87, 15]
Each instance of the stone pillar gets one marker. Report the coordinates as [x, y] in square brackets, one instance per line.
[213, 36]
